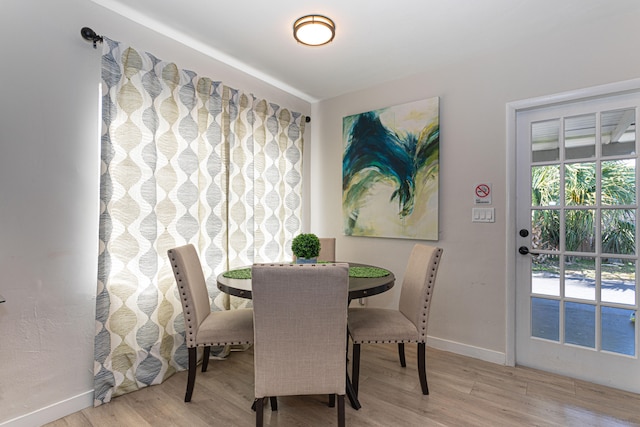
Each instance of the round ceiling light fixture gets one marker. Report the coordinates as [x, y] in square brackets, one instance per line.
[314, 30]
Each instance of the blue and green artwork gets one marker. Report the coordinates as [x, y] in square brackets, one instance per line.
[390, 171]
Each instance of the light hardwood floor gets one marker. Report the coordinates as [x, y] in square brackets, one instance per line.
[463, 392]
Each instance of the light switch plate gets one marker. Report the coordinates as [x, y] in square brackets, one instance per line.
[483, 215]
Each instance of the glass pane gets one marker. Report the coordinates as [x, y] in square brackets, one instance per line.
[619, 182]
[580, 230]
[545, 185]
[618, 330]
[618, 132]
[580, 137]
[545, 141]
[545, 318]
[579, 277]
[618, 231]
[618, 281]
[580, 324]
[545, 274]
[580, 184]
[545, 229]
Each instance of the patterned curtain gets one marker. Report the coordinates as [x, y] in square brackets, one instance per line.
[184, 160]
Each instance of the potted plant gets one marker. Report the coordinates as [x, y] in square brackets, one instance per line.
[306, 248]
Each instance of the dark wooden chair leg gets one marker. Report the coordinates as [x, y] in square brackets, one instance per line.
[422, 367]
[403, 361]
[205, 358]
[273, 400]
[341, 421]
[332, 400]
[355, 368]
[348, 343]
[351, 394]
[191, 378]
[259, 404]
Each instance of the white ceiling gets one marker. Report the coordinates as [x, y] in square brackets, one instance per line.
[376, 40]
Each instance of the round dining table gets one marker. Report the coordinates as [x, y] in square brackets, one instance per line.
[359, 287]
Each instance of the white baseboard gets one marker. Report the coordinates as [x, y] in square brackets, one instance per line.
[52, 412]
[467, 350]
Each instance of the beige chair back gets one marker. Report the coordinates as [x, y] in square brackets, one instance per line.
[417, 285]
[300, 328]
[327, 249]
[192, 287]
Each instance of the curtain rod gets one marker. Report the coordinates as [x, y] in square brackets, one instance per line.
[90, 35]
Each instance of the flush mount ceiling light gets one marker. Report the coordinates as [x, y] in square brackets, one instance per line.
[314, 30]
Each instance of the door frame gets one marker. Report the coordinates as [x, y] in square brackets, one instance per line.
[512, 109]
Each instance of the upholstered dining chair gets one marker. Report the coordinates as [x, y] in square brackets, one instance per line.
[203, 327]
[407, 324]
[300, 329]
[327, 249]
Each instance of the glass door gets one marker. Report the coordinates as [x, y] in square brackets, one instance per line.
[577, 211]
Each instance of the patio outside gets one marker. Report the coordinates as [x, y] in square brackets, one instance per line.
[617, 324]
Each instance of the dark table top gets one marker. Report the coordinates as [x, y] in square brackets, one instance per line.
[359, 287]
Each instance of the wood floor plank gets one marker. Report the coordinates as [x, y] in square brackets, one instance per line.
[463, 392]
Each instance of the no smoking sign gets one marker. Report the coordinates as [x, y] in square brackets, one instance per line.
[482, 194]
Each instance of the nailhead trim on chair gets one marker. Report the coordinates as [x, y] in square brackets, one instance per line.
[423, 328]
[190, 338]
[387, 341]
[224, 343]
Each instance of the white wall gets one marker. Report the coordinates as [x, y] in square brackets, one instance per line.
[469, 308]
[49, 177]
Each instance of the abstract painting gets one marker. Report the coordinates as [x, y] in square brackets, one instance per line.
[390, 170]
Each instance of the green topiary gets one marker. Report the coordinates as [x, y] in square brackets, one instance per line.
[306, 246]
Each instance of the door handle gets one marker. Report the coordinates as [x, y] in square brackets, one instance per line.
[523, 250]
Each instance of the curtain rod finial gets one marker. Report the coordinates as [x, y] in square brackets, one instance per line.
[90, 35]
